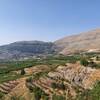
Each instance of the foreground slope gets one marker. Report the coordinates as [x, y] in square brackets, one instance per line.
[64, 81]
[54, 78]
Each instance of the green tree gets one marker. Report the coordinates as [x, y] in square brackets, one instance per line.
[84, 62]
[22, 72]
[97, 58]
[54, 85]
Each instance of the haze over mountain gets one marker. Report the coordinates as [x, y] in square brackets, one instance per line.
[83, 42]
[26, 49]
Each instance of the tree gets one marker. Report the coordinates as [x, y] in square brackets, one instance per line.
[84, 62]
[62, 86]
[29, 80]
[54, 85]
[39, 93]
[97, 58]
[22, 72]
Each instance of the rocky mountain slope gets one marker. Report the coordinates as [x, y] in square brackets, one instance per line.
[78, 75]
[87, 41]
[26, 49]
[84, 42]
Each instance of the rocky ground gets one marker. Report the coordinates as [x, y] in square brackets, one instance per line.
[64, 80]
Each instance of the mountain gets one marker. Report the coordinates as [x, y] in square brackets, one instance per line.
[83, 42]
[87, 41]
[26, 49]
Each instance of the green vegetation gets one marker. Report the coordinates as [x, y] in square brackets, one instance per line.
[9, 76]
[58, 97]
[84, 62]
[59, 86]
[29, 80]
[38, 93]
[17, 98]
[88, 62]
[97, 58]
[22, 72]
[8, 71]
[7, 68]
[93, 94]
[1, 95]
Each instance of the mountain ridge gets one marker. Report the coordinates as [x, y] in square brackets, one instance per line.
[83, 42]
[26, 49]
[80, 42]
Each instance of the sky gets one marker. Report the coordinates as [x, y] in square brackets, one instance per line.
[46, 20]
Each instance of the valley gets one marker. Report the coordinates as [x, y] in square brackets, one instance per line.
[53, 78]
[66, 69]
[49, 50]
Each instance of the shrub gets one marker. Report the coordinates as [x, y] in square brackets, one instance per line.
[1, 94]
[39, 93]
[29, 79]
[22, 72]
[97, 58]
[59, 86]
[93, 94]
[54, 85]
[84, 62]
[58, 97]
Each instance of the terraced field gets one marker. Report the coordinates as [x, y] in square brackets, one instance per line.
[61, 77]
[7, 87]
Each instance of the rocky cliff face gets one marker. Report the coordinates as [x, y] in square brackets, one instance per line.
[81, 42]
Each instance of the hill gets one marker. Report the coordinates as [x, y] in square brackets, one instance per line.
[26, 49]
[75, 77]
[83, 42]
[87, 41]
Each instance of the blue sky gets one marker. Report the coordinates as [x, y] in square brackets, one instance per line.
[46, 20]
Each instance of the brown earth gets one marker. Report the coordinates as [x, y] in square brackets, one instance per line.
[87, 41]
[73, 75]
